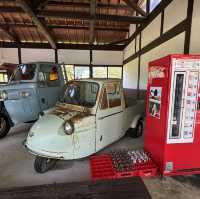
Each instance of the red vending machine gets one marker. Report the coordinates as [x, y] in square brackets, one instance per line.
[172, 132]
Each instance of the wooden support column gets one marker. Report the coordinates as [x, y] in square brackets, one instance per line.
[162, 22]
[92, 31]
[188, 27]
[139, 66]
[19, 56]
[91, 64]
[56, 56]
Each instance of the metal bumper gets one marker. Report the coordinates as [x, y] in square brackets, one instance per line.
[42, 153]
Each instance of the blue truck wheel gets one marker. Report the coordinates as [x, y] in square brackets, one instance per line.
[4, 126]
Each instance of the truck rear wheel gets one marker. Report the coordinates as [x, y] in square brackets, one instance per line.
[4, 126]
[42, 165]
[136, 132]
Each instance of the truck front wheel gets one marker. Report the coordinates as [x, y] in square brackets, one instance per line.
[136, 132]
[42, 165]
[4, 126]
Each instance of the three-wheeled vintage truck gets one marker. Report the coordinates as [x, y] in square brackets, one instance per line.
[93, 114]
[32, 88]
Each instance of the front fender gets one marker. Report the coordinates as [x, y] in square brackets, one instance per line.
[135, 120]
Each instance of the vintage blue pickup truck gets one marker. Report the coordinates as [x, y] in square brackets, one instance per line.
[33, 88]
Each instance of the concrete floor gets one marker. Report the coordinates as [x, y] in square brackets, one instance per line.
[16, 166]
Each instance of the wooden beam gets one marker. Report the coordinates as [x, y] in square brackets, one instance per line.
[60, 26]
[188, 27]
[19, 56]
[56, 56]
[148, 3]
[163, 4]
[83, 4]
[86, 16]
[23, 4]
[123, 41]
[77, 15]
[62, 46]
[135, 7]
[178, 29]
[87, 5]
[91, 64]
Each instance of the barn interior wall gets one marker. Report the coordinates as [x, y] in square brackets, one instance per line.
[67, 56]
[9, 55]
[32, 55]
[163, 36]
[195, 41]
[73, 56]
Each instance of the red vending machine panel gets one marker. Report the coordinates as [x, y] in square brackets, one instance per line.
[172, 132]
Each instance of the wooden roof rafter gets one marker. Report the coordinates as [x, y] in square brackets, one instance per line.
[77, 15]
[60, 26]
[27, 9]
[86, 16]
[10, 34]
[70, 21]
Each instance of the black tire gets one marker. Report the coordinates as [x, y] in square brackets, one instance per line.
[42, 165]
[4, 126]
[136, 132]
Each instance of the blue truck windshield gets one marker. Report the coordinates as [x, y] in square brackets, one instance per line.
[81, 93]
[24, 72]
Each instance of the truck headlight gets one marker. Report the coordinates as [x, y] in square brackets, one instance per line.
[24, 94]
[3, 95]
[68, 127]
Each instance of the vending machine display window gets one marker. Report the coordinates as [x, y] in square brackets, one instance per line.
[177, 104]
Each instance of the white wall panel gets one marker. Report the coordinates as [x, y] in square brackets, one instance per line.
[152, 31]
[173, 46]
[74, 56]
[107, 57]
[130, 74]
[132, 29]
[9, 55]
[32, 55]
[195, 36]
[175, 13]
[129, 50]
[137, 43]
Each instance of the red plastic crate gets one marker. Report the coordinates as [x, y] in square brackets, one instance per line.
[147, 173]
[102, 168]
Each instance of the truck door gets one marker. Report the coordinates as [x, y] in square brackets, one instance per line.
[49, 85]
[42, 89]
[109, 115]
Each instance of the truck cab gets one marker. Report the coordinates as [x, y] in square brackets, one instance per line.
[32, 88]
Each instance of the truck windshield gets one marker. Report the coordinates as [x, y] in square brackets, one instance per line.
[24, 72]
[81, 93]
